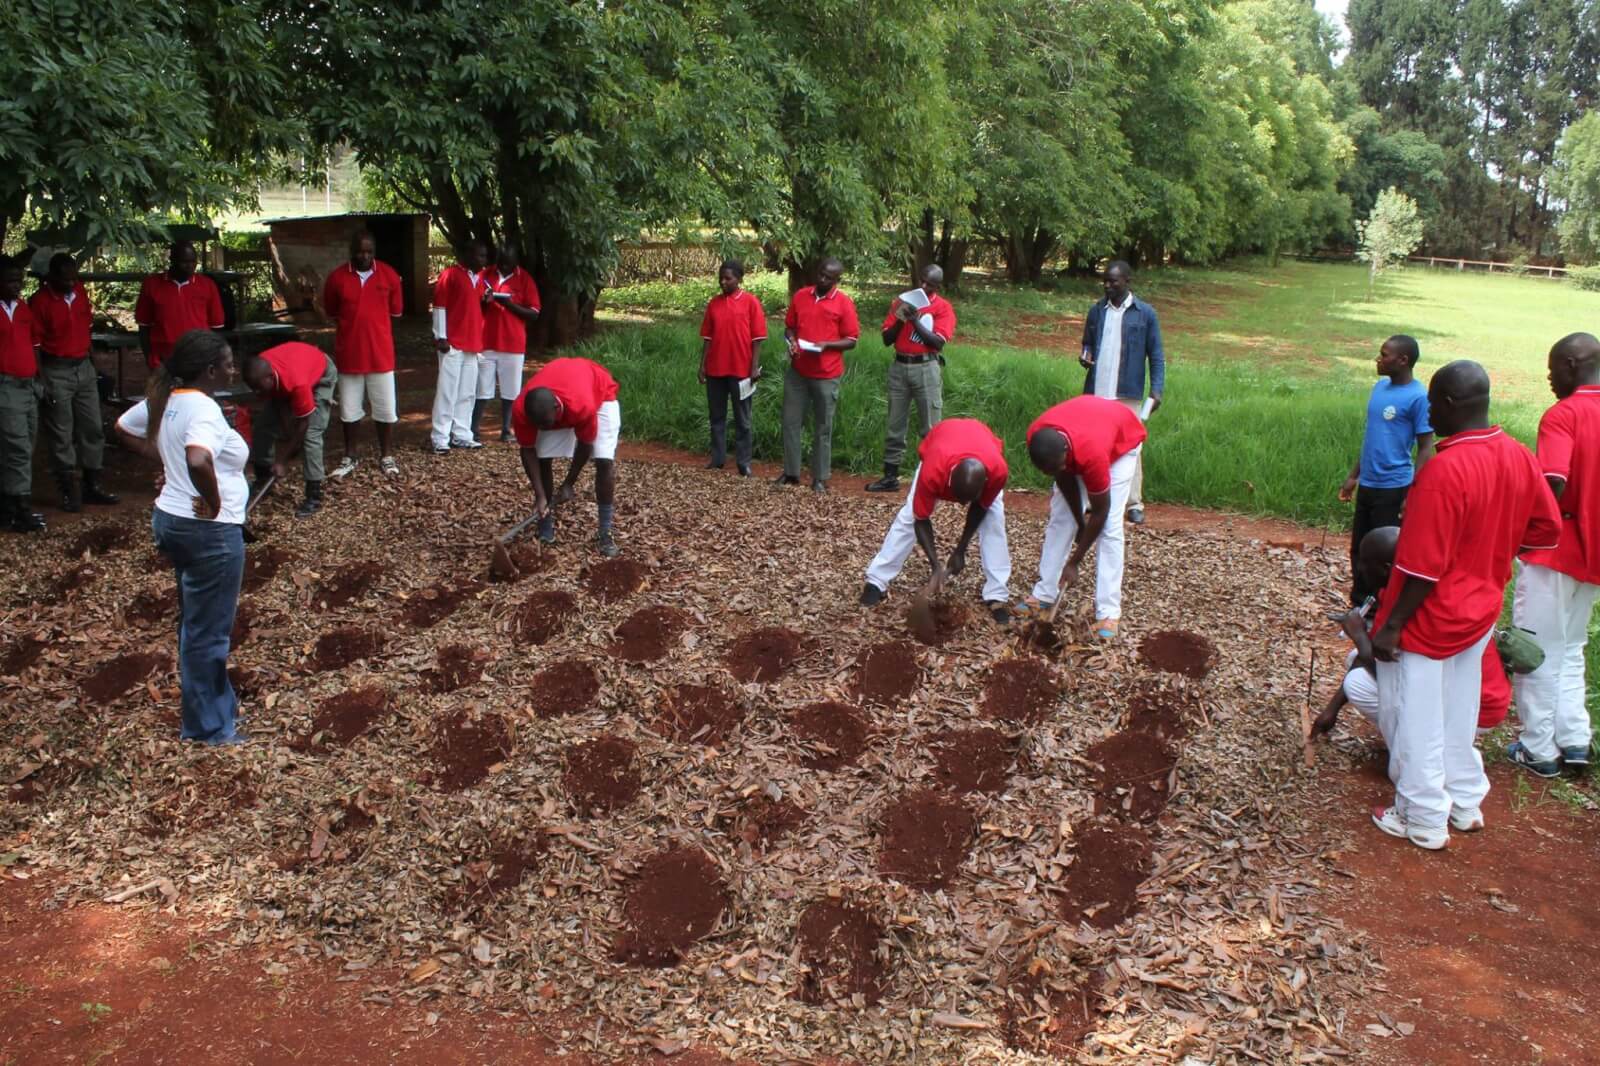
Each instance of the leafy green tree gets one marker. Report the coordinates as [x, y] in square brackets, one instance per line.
[1405, 159]
[1390, 233]
[1576, 181]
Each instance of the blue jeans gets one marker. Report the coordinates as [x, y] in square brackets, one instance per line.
[209, 559]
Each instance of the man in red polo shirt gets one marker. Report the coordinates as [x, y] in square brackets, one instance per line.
[1556, 590]
[963, 462]
[295, 382]
[569, 409]
[71, 391]
[363, 297]
[918, 336]
[731, 333]
[513, 304]
[19, 403]
[459, 297]
[174, 302]
[1089, 446]
[1473, 506]
[820, 326]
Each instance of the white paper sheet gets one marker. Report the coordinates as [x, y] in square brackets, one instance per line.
[747, 388]
[1149, 405]
[808, 346]
[916, 298]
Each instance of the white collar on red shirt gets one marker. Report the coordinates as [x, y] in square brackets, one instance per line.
[1469, 436]
[180, 284]
[10, 308]
[831, 293]
[1586, 390]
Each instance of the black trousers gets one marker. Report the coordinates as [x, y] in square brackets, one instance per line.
[720, 392]
[1375, 508]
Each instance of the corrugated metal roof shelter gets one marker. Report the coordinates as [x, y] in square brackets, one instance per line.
[304, 250]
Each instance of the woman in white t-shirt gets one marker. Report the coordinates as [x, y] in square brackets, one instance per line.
[199, 518]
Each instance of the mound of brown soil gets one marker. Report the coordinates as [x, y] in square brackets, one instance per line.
[100, 540]
[1133, 775]
[529, 559]
[887, 673]
[21, 654]
[648, 635]
[764, 654]
[973, 760]
[1167, 715]
[430, 606]
[1178, 652]
[348, 583]
[458, 666]
[601, 774]
[763, 821]
[564, 688]
[926, 835]
[465, 749]
[698, 714]
[1020, 690]
[500, 871]
[152, 608]
[1109, 864]
[74, 578]
[950, 617]
[843, 948]
[1044, 1016]
[341, 719]
[261, 565]
[831, 734]
[541, 615]
[615, 579]
[340, 647]
[675, 900]
[121, 675]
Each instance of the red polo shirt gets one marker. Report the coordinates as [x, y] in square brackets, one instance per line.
[19, 332]
[832, 318]
[502, 330]
[1478, 501]
[64, 325]
[1569, 448]
[1098, 432]
[732, 324]
[298, 366]
[944, 324]
[580, 385]
[461, 296]
[363, 342]
[948, 445]
[171, 310]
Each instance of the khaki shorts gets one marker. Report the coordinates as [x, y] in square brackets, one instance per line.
[561, 443]
[376, 389]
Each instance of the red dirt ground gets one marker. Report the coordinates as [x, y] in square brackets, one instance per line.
[950, 617]
[675, 900]
[763, 821]
[1072, 1014]
[541, 615]
[1132, 779]
[888, 673]
[1110, 861]
[244, 616]
[843, 948]
[348, 583]
[338, 648]
[261, 565]
[602, 774]
[648, 635]
[99, 540]
[428, 607]
[1020, 690]
[1160, 713]
[1178, 652]
[926, 836]
[342, 718]
[121, 675]
[74, 578]
[564, 688]
[698, 714]
[764, 654]
[21, 654]
[502, 870]
[152, 608]
[245, 679]
[458, 666]
[615, 579]
[206, 793]
[831, 734]
[465, 749]
[529, 559]
[973, 760]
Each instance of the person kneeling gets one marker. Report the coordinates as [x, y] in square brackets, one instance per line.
[569, 409]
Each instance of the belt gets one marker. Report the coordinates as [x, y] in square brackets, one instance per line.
[63, 358]
[914, 359]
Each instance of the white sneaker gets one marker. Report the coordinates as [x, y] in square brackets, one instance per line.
[1391, 821]
[389, 466]
[464, 442]
[1464, 820]
[346, 468]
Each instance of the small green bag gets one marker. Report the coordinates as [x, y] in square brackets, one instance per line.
[1518, 650]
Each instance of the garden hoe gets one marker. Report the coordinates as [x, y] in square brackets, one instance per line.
[266, 487]
[501, 568]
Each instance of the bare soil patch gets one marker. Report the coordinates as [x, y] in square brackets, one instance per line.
[484, 880]
[244, 679]
[764, 654]
[698, 714]
[101, 540]
[831, 734]
[541, 615]
[428, 607]
[763, 821]
[529, 559]
[1020, 690]
[261, 565]
[926, 836]
[244, 616]
[888, 673]
[648, 635]
[675, 900]
[1047, 1016]
[465, 749]
[615, 579]
[602, 774]
[74, 578]
[458, 666]
[1110, 862]
[121, 675]
[338, 648]
[1134, 776]
[950, 617]
[973, 760]
[1163, 714]
[844, 950]
[348, 583]
[152, 608]
[21, 654]
[1178, 652]
[564, 688]
[341, 719]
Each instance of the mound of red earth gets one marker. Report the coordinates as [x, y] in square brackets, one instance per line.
[763, 821]
[1133, 779]
[244, 617]
[21, 654]
[887, 673]
[348, 583]
[428, 607]
[1163, 714]
[1109, 864]
[843, 949]
[529, 559]
[458, 666]
[74, 578]
[950, 617]
[831, 734]
[500, 871]
[698, 714]
[564, 688]
[1043, 634]
[465, 749]
[926, 835]
[261, 565]
[338, 648]
[541, 615]
[675, 900]
[764, 654]
[341, 719]
[101, 540]
[153, 608]
[1178, 652]
[648, 635]
[1047, 1016]
[602, 774]
[1020, 690]
[118, 676]
[615, 579]
[973, 760]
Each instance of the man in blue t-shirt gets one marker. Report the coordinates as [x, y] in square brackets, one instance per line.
[1397, 419]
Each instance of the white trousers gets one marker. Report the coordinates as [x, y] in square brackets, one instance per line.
[1550, 701]
[1433, 704]
[993, 552]
[502, 368]
[453, 394]
[1361, 689]
[1136, 492]
[1061, 530]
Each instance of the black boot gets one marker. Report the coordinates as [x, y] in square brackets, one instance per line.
[477, 417]
[20, 517]
[93, 493]
[71, 492]
[505, 419]
[313, 501]
[889, 482]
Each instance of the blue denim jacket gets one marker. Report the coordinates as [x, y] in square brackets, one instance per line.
[1141, 341]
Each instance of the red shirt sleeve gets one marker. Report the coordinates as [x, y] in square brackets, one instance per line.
[587, 430]
[1557, 436]
[214, 305]
[1428, 535]
[144, 311]
[791, 317]
[1544, 524]
[301, 401]
[705, 322]
[330, 295]
[530, 293]
[758, 319]
[923, 500]
[441, 289]
[397, 299]
[849, 324]
[944, 320]
[1094, 469]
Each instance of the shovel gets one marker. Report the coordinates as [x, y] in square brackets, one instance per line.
[924, 626]
[501, 567]
[266, 487]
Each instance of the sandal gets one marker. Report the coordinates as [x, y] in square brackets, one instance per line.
[1030, 607]
[1106, 628]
